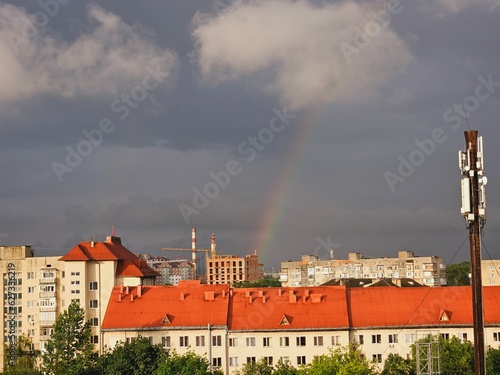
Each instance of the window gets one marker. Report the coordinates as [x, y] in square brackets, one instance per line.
[251, 359]
[318, 340]
[233, 341]
[184, 341]
[77, 300]
[165, 341]
[94, 322]
[445, 336]
[360, 339]
[250, 341]
[75, 291]
[75, 282]
[393, 338]
[410, 338]
[268, 360]
[377, 358]
[93, 303]
[463, 336]
[31, 289]
[94, 339]
[31, 304]
[217, 340]
[301, 341]
[376, 339]
[75, 273]
[31, 275]
[301, 360]
[217, 361]
[233, 361]
[93, 285]
[496, 336]
[266, 342]
[284, 341]
[200, 340]
[336, 340]
[31, 332]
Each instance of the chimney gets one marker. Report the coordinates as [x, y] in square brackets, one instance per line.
[92, 243]
[223, 293]
[250, 299]
[212, 243]
[139, 290]
[126, 290]
[280, 292]
[119, 297]
[306, 292]
[193, 245]
[121, 288]
[263, 299]
[182, 296]
[131, 297]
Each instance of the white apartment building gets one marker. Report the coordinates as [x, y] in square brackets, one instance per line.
[234, 326]
[311, 271]
[37, 289]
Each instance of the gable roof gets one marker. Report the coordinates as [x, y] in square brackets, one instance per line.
[265, 308]
[112, 250]
[184, 305]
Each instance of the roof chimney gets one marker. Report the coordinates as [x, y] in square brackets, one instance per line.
[139, 290]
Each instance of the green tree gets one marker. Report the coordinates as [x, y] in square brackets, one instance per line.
[138, 357]
[493, 361]
[186, 364]
[347, 360]
[263, 283]
[455, 356]
[69, 350]
[397, 365]
[285, 369]
[255, 368]
[25, 358]
[458, 274]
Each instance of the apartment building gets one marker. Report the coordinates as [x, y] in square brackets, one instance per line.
[311, 271]
[228, 269]
[235, 326]
[173, 271]
[37, 289]
[490, 272]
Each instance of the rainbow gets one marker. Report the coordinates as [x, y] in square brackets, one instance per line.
[280, 188]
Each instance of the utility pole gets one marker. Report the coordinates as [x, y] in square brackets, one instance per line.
[474, 211]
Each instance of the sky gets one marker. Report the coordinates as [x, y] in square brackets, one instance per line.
[285, 127]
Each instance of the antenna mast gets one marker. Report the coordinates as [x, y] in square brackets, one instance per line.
[474, 212]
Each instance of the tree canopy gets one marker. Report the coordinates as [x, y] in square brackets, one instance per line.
[69, 350]
[458, 274]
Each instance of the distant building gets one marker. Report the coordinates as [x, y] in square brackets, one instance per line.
[490, 272]
[310, 271]
[173, 271]
[229, 269]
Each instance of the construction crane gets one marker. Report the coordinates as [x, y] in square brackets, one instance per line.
[194, 249]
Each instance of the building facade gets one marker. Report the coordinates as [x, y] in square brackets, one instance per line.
[173, 271]
[311, 271]
[234, 326]
[229, 269]
[37, 289]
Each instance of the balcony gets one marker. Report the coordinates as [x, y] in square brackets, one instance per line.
[47, 295]
[48, 308]
[47, 280]
[46, 323]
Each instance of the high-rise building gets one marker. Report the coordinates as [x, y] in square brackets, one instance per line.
[37, 289]
[229, 269]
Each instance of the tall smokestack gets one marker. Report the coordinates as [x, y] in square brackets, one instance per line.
[212, 243]
[193, 245]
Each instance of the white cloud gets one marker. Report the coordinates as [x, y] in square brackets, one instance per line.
[105, 61]
[443, 8]
[293, 48]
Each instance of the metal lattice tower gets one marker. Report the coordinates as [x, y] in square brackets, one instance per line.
[427, 352]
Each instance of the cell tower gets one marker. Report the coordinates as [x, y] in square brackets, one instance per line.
[474, 212]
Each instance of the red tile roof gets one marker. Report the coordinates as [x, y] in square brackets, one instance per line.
[266, 308]
[333, 307]
[388, 306]
[184, 305]
[111, 250]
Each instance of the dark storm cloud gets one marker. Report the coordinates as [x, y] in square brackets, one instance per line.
[225, 77]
